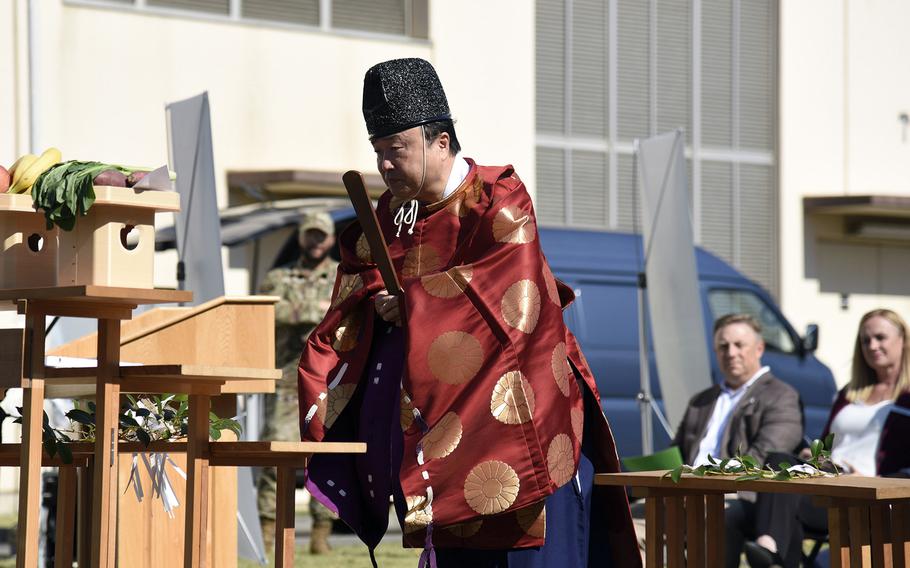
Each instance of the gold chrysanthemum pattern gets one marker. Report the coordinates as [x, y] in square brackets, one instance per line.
[491, 487]
[337, 399]
[448, 284]
[521, 306]
[465, 530]
[577, 417]
[455, 357]
[561, 459]
[363, 249]
[420, 260]
[443, 438]
[346, 332]
[550, 282]
[349, 284]
[560, 366]
[512, 401]
[419, 514]
[407, 411]
[533, 519]
[512, 225]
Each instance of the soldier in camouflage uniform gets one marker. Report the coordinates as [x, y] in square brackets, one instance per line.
[305, 288]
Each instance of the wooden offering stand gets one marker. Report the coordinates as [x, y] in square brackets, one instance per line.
[103, 270]
[222, 347]
[868, 517]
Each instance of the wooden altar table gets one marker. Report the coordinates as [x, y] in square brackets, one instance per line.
[868, 517]
[108, 305]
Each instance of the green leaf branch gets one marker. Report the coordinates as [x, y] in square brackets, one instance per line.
[143, 419]
[747, 468]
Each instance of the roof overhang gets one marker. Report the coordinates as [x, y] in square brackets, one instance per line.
[890, 206]
[868, 217]
[284, 184]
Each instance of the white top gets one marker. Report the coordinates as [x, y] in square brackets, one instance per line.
[723, 408]
[856, 429]
[459, 171]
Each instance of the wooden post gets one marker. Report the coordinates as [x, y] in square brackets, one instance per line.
[284, 517]
[714, 505]
[31, 449]
[84, 510]
[197, 479]
[858, 519]
[695, 531]
[878, 524]
[107, 405]
[900, 534]
[654, 546]
[66, 517]
[676, 531]
[838, 540]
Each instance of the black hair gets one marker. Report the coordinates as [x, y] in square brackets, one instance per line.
[432, 130]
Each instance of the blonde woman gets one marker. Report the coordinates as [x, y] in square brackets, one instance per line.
[870, 420]
[871, 416]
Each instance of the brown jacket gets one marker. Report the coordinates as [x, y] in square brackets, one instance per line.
[768, 418]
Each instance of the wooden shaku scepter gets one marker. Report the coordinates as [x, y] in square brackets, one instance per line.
[379, 250]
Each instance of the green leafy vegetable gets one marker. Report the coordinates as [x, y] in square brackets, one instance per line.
[66, 192]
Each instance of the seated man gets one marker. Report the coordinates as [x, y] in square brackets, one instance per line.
[751, 413]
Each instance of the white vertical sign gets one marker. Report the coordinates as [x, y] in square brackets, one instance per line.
[674, 302]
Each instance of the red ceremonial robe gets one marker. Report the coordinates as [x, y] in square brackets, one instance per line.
[492, 413]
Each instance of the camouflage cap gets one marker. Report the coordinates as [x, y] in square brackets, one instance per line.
[319, 220]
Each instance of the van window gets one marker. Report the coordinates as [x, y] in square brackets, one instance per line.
[774, 332]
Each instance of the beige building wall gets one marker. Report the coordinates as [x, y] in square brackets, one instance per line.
[844, 81]
[281, 97]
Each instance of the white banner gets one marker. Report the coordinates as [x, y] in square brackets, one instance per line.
[675, 307]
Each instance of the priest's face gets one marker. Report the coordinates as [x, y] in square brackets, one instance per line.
[410, 167]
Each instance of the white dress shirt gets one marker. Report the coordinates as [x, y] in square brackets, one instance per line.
[723, 408]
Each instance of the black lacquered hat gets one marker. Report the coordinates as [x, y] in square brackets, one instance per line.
[401, 94]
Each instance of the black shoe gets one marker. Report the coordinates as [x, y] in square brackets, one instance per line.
[760, 557]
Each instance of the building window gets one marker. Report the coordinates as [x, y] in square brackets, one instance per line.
[407, 18]
[610, 71]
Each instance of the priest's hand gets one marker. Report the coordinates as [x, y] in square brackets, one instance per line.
[387, 307]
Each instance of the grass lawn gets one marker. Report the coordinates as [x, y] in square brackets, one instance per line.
[351, 556]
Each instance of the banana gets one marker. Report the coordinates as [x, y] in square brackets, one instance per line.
[22, 164]
[23, 183]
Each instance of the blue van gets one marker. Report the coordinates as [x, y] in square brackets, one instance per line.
[603, 267]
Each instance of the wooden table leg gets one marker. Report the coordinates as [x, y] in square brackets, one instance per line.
[881, 547]
[107, 407]
[695, 531]
[31, 449]
[84, 510]
[900, 534]
[858, 520]
[66, 517]
[197, 482]
[676, 531]
[838, 540]
[284, 517]
[714, 529]
[654, 547]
